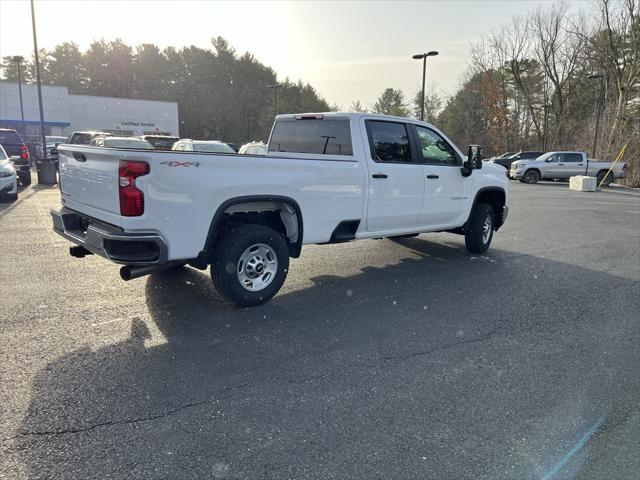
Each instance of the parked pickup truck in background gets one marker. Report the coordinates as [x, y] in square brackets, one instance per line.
[562, 165]
[326, 178]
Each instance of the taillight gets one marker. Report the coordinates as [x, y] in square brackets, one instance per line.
[25, 153]
[131, 198]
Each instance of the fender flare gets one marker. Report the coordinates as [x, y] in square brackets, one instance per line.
[294, 249]
[475, 201]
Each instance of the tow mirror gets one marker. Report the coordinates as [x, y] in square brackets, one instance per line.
[474, 157]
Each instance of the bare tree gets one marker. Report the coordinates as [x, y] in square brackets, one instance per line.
[615, 42]
[558, 50]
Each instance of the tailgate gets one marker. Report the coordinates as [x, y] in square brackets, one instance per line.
[89, 181]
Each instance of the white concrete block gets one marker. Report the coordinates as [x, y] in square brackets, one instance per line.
[581, 183]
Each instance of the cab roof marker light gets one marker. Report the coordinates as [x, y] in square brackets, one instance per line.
[308, 117]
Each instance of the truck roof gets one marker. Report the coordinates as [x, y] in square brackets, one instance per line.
[350, 115]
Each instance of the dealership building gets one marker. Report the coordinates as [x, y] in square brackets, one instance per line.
[65, 113]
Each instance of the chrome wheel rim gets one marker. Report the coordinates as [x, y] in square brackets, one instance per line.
[486, 229]
[257, 267]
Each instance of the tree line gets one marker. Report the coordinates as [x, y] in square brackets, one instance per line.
[527, 87]
[538, 82]
[220, 94]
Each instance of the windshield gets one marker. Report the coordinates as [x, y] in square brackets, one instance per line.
[544, 156]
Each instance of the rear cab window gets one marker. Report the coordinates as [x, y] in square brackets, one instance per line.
[314, 136]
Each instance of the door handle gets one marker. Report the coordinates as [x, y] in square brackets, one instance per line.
[561, 164]
[431, 176]
[379, 175]
[580, 164]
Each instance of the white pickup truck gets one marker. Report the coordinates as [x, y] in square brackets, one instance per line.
[563, 165]
[326, 178]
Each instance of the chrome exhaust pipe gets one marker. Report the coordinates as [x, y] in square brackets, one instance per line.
[129, 272]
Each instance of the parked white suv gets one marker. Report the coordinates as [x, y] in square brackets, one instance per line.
[326, 178]
[208, 146]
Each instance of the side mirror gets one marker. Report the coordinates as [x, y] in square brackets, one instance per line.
[474, 157]
[549, 160]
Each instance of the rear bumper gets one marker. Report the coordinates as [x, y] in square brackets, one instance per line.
[109, 241]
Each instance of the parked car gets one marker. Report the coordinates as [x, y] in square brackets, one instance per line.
[253, 148]
[52, 144]
[18, 153]
[160, 142]
[209, 146]
[507, 161]
[121, 142]
[562, 165]
[504, 155]
[84, 138]
[8, 177]
[326, 178]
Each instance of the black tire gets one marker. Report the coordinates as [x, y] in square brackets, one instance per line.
[601, 176]
[227, 270]
[475, 238]
[25, 179]
[531, 176]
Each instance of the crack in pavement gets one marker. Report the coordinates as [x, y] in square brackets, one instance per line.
[288, 379]
[482, 338]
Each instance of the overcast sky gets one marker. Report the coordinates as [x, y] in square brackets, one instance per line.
[347, 50]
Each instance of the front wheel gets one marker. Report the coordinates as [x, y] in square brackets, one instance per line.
[479, 230]
[250, 264]
[531, 176]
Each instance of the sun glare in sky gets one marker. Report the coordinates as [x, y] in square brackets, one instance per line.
[346, 50]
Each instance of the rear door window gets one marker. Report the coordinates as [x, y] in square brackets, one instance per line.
[572, 157]
[320, 137]
[389, 142]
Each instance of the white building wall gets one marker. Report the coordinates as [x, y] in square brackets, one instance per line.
[55, 103]
[65, 113]
[123, 114]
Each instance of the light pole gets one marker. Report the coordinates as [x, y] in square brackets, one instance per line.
[597, 112]
[424, 56]
[275, 97]
[38, 82]
[18, 59]
[546, 108]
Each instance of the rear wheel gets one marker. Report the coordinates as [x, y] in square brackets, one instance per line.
[606, 176]
[531, 176]
[479, 230]
[250, 264]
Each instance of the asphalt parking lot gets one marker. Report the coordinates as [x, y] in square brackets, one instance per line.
[378, 359]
